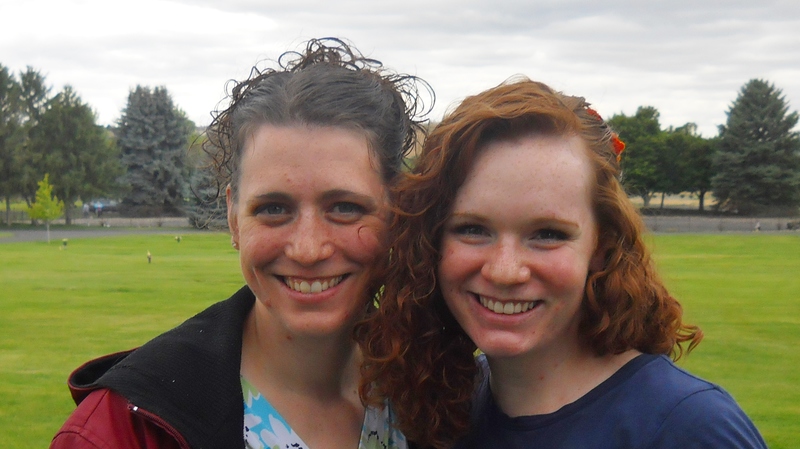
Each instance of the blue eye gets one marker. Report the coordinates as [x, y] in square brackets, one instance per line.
[272, 209]
[347, 208]
[470, 230]
[551, 234]
[346, 212]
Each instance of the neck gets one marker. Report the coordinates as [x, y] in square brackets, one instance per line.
[539, 384]
[323, 366]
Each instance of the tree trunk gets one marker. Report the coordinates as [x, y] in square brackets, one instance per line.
[646, 199]
[8, 212]
[701, 195]
[47, 225]
[67, 214]
[662, 200]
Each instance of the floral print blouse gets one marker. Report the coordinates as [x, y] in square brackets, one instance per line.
[265, 428]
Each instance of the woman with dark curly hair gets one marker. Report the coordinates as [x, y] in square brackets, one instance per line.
[514, 236]
[307, 153]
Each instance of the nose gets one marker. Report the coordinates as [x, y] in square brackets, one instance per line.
[506, 264]
[310, 241]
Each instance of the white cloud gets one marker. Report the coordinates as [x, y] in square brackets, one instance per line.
[686, 58]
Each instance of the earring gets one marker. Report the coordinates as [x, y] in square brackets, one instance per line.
[234, 244]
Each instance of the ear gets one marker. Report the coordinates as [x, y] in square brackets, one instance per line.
[233, 224]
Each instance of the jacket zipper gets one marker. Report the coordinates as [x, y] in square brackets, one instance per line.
[157, 420]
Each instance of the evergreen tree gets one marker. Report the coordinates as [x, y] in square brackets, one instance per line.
[153, 137]
[9, 131]
[207, 208]
[46, 207]
[758, 163]
[31, 100]
[67, 143]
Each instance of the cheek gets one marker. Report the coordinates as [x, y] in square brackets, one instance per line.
[455, 265]
[366, 243]
[568, 275]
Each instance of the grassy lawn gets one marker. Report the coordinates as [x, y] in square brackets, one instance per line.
[61, 307]
[58, 308]
[744, 292]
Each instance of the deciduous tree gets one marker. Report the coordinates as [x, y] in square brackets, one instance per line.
[46, 207]
[695, 154]
[644, 141]
[80, 156]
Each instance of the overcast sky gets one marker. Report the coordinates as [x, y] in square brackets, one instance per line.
[687, 58]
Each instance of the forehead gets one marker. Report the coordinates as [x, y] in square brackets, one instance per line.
[550, 172]
[289, 155]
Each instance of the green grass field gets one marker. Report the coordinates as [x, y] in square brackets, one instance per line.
[58, 308]
[61, 307]
[744, 292]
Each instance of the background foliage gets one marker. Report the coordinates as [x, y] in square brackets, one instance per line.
[153, 140]
[757, 167]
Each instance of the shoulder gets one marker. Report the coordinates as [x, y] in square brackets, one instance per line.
[103, 420]
[693, 412]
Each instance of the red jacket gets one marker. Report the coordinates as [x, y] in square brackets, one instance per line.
[105, 419]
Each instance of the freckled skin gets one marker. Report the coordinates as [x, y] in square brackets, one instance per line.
[521, 228]
[311, 206]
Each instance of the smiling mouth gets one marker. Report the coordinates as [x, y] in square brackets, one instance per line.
[507, 307]
[312, 285]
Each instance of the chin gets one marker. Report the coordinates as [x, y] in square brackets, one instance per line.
[502, 349]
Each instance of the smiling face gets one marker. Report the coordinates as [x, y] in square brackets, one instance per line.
[309, 220]
[518, 246]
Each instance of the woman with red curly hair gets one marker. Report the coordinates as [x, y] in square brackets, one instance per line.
[514, 236]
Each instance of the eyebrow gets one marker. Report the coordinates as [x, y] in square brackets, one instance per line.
[481, 219]
[327, 196]
[271, 196]
[468, 216]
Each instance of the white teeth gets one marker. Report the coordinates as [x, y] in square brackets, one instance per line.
[498, 307]
[506, 308]
[315, 286]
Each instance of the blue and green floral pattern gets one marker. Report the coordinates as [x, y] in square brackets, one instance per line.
[265, 428]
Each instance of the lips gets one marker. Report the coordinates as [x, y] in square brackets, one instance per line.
[507, 307]
[312, 285]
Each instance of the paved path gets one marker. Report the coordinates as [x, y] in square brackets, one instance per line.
[57, 235]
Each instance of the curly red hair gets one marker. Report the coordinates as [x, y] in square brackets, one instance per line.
[415, 353]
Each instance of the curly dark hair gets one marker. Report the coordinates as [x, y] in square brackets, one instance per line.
[416, 354]
[330, 83]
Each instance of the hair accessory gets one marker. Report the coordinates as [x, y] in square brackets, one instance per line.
[619, 145]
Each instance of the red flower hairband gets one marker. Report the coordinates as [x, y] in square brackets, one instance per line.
[619, 145]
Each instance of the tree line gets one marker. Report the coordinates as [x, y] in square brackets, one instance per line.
[147, 160]
[752, 166]
[143, 160]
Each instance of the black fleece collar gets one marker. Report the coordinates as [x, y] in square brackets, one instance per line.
[188, 376]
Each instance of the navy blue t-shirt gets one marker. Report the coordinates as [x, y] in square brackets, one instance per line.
[648, 403]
